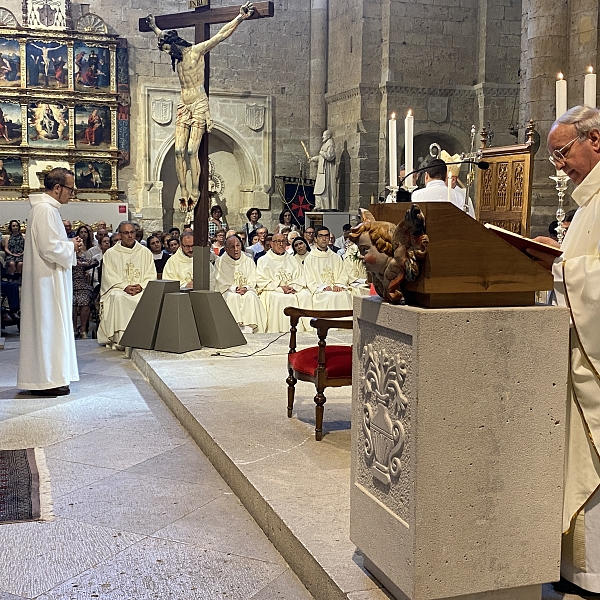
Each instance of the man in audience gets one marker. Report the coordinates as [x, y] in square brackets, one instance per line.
[326, 277]
[281, 283]
[309, 236]
[127, 268]
[69, 229]
[268, 244]
[235, 278]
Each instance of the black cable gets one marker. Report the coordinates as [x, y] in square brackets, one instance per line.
[253, 353]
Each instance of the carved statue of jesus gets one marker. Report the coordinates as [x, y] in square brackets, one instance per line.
[193, 116]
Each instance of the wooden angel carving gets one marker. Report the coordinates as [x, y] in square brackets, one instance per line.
[391, 253]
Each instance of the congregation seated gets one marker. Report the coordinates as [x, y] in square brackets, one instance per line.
[281, 283]
[127, 268]
[326, 277]
[267, 244]
[300, 248]
[235, 279]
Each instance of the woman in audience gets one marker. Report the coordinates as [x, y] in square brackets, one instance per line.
[14, 247]
[301, 249]
[85, 233]
[216, 222]
[82, 285]
[219, 243]
[114, 238]
[160, 256]
[291, 236]
[285, 220]
[253, 215]
[173, 245]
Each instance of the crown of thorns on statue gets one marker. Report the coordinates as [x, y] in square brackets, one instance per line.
[175, 42]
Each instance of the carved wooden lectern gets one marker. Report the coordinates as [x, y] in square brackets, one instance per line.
[466, 264]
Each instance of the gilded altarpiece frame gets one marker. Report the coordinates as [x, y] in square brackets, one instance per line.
[51, 115]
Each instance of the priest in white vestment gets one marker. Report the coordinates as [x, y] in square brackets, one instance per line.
[574, 146]
[235, 278]
[47, 359]
[180, 266]
[435, 189]
[127, 268]
[355, 268]
[281, 283]
[326, 276]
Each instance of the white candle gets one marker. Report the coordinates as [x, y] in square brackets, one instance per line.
[449, 183]
[409, 130]
[561, 96]
[589, 88]
[393, 151]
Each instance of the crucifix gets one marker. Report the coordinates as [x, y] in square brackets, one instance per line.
[193, 116]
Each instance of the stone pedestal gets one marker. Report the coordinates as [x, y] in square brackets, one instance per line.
[458, 426]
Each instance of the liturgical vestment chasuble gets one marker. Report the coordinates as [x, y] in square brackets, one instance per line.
[122, 267]
[324, 269]
[273, 271]
[246, 309]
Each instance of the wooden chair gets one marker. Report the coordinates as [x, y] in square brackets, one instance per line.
[324, 366]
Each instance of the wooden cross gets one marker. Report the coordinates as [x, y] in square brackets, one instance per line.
[201, 19]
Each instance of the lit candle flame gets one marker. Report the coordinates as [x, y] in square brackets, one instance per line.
[560, 76]
[393, 116]
[590, 69]
[409, 113]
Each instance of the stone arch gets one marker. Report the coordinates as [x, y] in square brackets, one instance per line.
[240, 175]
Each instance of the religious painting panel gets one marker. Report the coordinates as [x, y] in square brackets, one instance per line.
[92, 126]
[47, 64]
[11, 171]
[93, 175]
[48, 125]
[10, 124]
[10, 63]
[91, 65]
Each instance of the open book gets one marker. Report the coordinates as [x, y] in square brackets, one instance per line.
[522, 243]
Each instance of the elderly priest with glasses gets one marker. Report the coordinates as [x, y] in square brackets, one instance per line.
[574, 146]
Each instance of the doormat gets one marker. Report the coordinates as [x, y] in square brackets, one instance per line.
[24, 486]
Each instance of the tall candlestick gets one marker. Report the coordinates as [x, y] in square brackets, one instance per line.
[561, 96]
[393, 151]
[589, 88]
[409, 130]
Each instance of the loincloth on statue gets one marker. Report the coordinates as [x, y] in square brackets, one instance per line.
[196, 114]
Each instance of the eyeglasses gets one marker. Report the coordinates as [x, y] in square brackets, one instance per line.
[71, 189]
[278, 242]
[561, 154]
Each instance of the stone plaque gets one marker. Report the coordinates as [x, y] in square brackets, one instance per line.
[255, 116]
[437, 107]
[162, 111]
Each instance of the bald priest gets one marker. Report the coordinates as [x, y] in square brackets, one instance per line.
[235, 278]
[127, 268]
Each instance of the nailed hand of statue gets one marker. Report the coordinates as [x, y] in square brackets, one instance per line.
[150, 20]
[246, 10]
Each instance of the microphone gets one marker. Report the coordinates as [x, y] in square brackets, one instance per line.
[481, 164]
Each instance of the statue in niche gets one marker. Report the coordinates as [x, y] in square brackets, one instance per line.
[325, 193]
[193, 116]
[391, 253]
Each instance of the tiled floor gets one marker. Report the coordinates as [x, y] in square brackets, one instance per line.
[140, 512]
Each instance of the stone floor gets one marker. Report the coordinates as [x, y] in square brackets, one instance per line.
[143, 511]
[140, 513]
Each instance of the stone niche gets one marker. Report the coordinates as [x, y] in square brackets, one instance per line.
[240, 153]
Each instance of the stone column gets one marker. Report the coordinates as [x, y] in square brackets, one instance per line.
[545, 53]
[318, 72]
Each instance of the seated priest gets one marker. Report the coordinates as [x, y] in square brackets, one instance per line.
[326, 276]
[281, 283]
[235, 278]
[180, 266]
[127, 268]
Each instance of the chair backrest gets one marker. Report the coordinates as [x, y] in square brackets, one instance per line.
[504, 190]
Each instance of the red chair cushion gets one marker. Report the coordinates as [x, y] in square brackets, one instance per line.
[338, 361]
